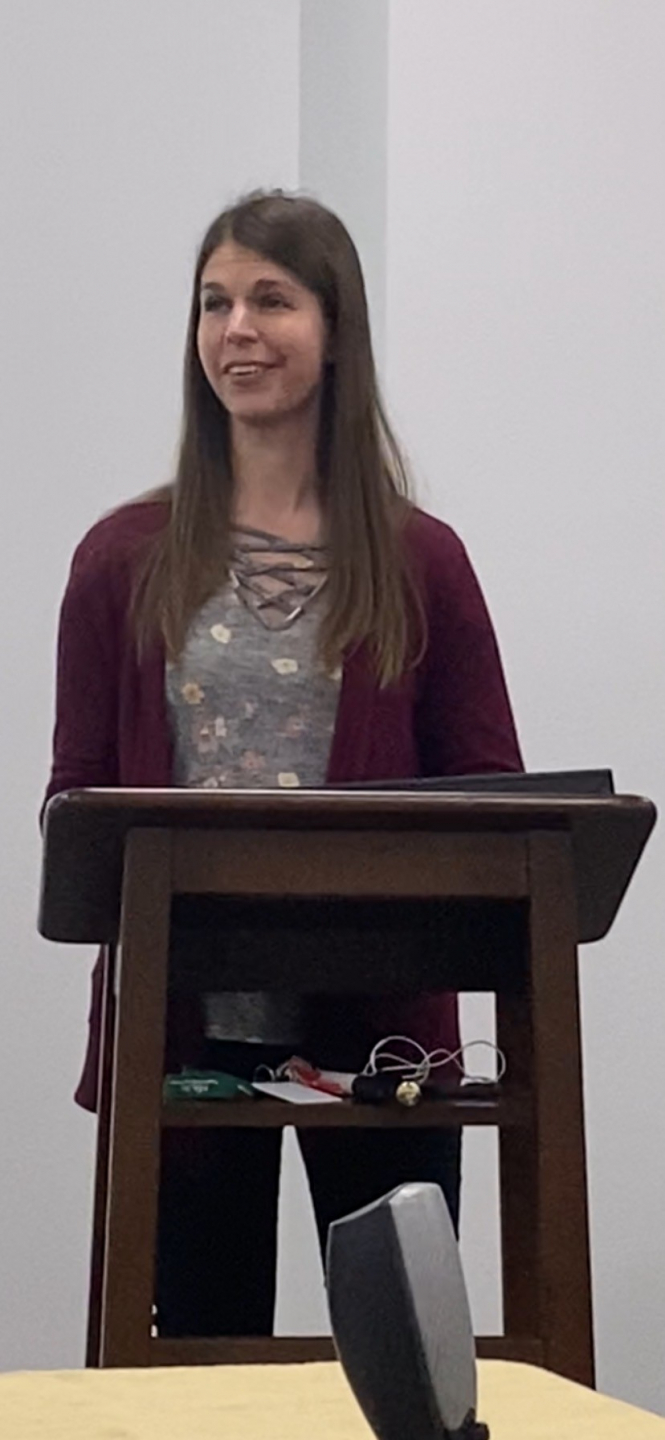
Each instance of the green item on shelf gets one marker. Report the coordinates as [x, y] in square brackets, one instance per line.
[206, 1085]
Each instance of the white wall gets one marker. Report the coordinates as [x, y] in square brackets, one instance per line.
[526, 365]
[126, 127]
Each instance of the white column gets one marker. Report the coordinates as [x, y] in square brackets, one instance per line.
[343, 127]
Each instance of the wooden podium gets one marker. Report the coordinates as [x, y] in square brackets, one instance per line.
[345, 892]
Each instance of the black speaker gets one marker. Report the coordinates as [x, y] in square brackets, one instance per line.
[400, 1317]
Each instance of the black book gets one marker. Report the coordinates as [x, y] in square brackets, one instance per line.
[542, 782]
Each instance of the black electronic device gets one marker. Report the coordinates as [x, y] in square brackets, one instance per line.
[400, 1317]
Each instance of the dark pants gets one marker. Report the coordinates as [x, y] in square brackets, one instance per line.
[217, 1245]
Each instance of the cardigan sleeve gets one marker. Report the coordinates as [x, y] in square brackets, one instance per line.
[85, 748]
[464, 721]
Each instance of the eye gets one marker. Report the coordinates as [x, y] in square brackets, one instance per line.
[214, 302]
[273, 301]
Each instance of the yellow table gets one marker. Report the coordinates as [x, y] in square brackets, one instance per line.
[279, 1402]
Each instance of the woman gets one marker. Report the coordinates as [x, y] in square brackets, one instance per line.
[281, 616]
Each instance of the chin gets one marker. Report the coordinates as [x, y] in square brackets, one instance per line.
[257, 414]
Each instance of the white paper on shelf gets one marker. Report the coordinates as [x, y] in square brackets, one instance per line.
[294, 1093]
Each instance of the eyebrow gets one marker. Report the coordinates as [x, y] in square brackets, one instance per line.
[265, 283]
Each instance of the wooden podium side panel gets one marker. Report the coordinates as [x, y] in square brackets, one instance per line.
[543, 1173]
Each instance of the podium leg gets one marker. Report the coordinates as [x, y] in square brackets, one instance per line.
[547, 1285]
[518, 1174]
[135, 1107]
[98, 1247]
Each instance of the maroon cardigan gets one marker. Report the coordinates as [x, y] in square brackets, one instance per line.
[450, 715]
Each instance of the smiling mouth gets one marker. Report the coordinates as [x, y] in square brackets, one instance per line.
[241, 371]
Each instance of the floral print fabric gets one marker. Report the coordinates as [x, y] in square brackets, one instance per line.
[250, 706]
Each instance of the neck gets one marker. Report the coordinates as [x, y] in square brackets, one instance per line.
[275, 477]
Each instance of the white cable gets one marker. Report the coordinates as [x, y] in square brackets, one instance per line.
[381, 1060]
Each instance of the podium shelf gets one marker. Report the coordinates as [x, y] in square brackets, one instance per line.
[513, 1109]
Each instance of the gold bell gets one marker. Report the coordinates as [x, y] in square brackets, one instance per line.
[408, 1092]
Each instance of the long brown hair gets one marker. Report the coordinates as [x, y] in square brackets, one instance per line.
[365, 489]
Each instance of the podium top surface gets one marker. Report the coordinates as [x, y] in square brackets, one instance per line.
[85, 831]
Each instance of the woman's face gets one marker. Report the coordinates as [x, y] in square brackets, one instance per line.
[261, 336]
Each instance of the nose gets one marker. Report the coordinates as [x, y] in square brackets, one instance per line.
[239, 326]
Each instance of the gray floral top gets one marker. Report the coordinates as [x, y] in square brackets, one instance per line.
[251, 707]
